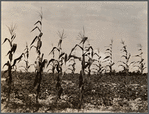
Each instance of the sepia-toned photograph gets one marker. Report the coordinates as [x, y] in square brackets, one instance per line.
[74, 57]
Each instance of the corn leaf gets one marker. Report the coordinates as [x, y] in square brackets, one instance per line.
[18, 59]
[54, 49]
[106, 57]
[33, 46]
[109, 53]
[124, 63]
[137, 55]
[108, 49]
[8, 52]
[50, 61]
[38, 22]
[36, 28]
[61, 54]
[6, 39]
[97, 55]
[44, 63]
[6, 64]
[75, 57]
[122, 66]
[131, 63]
[112, 64]
[14, 47]
[70, 69]
[97, 65]
[125, 50]
[34, 40]
[124, 56]
[83, 40]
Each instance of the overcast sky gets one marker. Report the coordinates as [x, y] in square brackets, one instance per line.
[102, 21]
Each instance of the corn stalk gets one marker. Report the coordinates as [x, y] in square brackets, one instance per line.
[98, 67]
[58, 63]
[84, 64]
[11, 63]
[40, 62]
[26, 55]
[53, 63]
[125, 64]
[109, 58]
[140, 64]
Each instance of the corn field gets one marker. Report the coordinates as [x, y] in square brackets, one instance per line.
[50, 88]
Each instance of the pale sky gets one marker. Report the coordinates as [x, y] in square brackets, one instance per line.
[102, 21]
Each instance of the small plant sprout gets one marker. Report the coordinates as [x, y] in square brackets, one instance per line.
[109, 58]
[11, 63]
[140, 64]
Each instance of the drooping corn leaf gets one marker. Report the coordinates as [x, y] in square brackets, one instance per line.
[6, 64]
[6, 39]
[18, 59]
[36, 28]
[109, 53]
[8, 53]
[54, 49]
[33, 46]
[75, 57]
[50, 61]
[124, 56]
[38, 22]
[75, 47]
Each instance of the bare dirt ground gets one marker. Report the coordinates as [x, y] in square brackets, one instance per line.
[101, 96]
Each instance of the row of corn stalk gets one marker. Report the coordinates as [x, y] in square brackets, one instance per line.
[86, 60]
